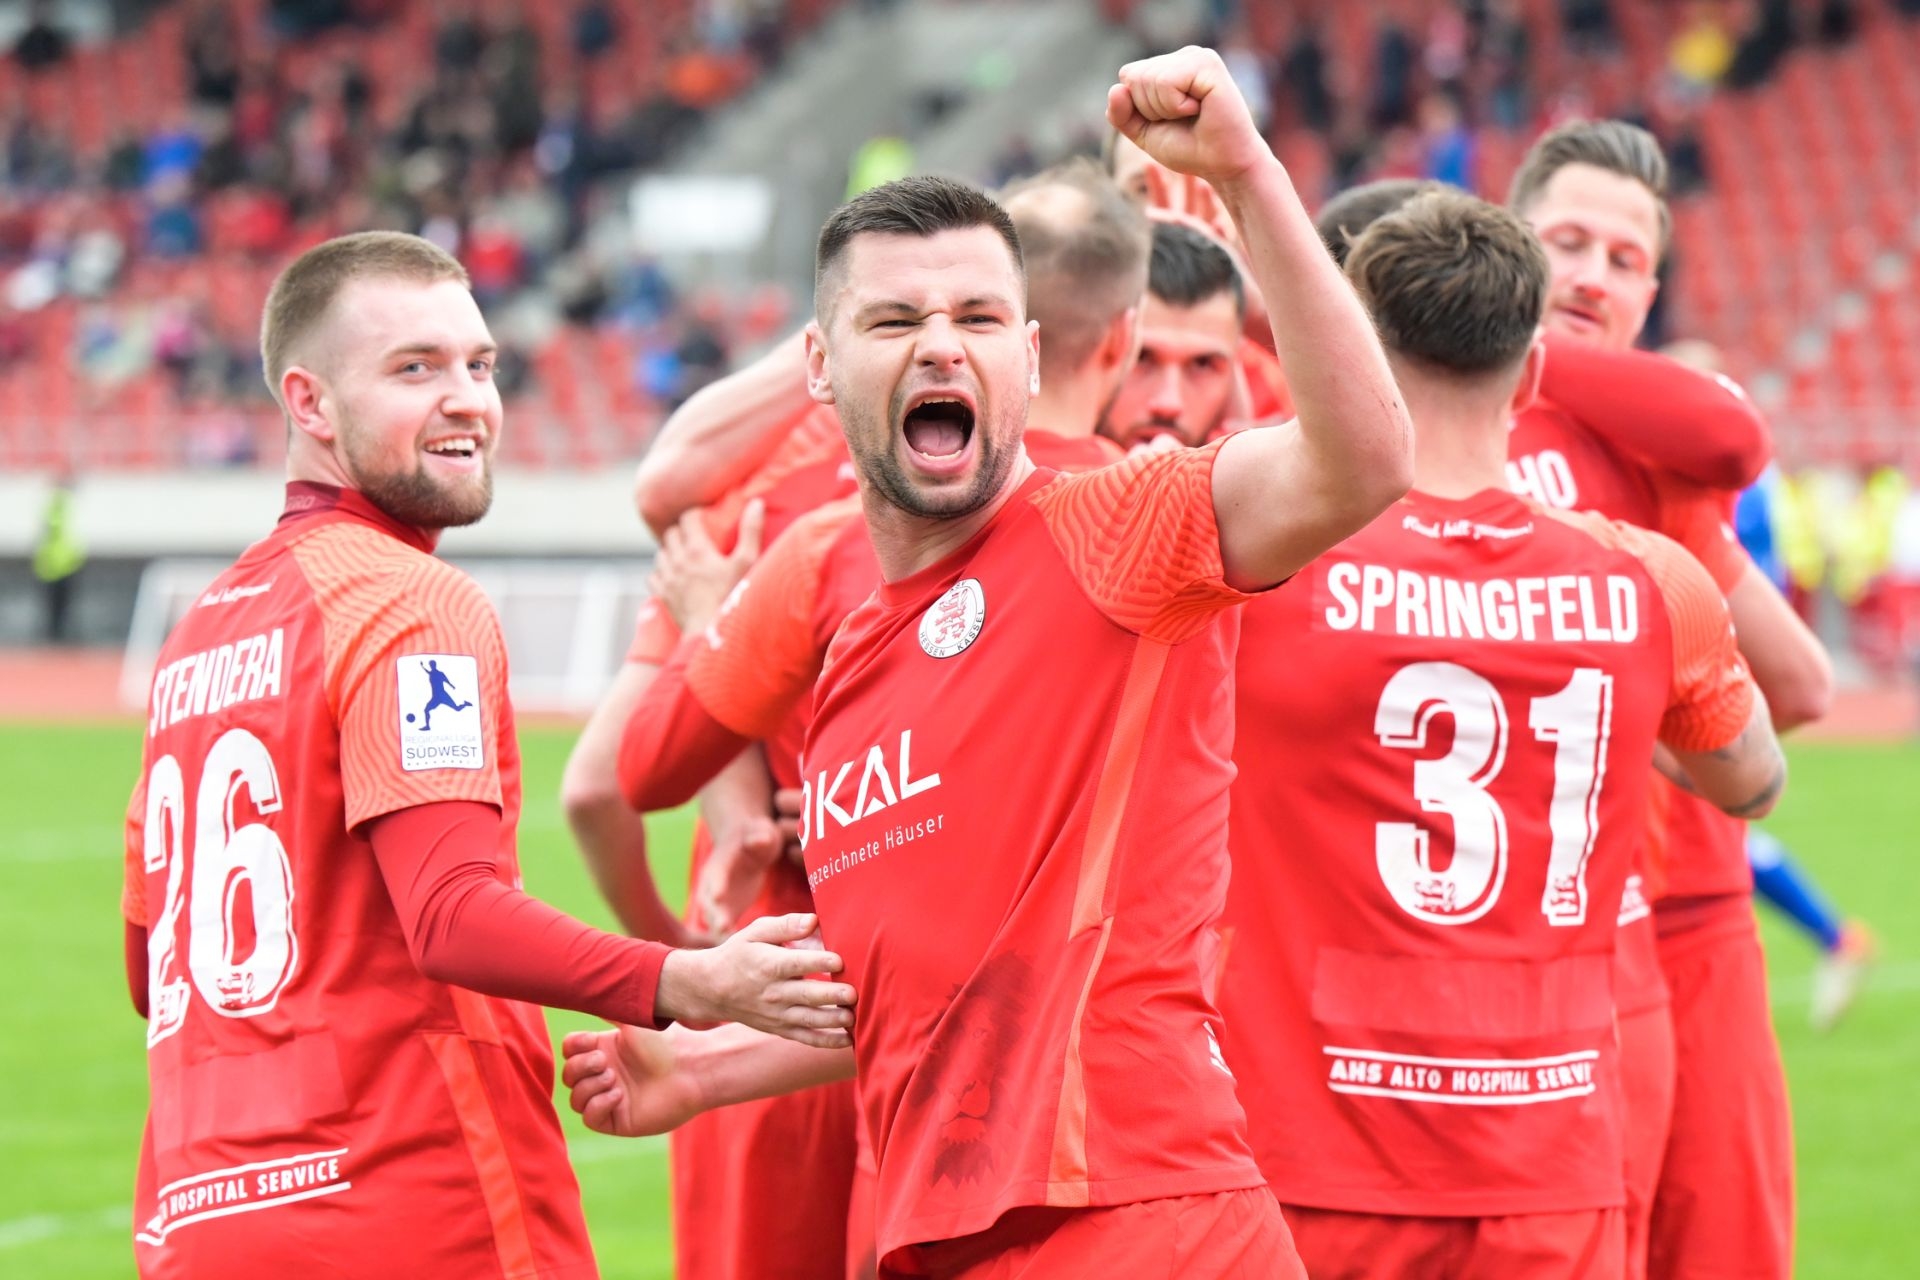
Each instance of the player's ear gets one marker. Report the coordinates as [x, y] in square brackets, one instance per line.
[819, 378]
[304, 395]
[1122, 344]
[1033, 357]
[1527, 389]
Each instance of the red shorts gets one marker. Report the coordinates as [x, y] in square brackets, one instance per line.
[1725, 1203]
[762, 1189]
[1647, 1082]
[1587, 1245]
[1230, 1235]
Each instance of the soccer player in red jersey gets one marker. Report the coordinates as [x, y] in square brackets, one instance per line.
[1015, 810]
[733, 466]
[1723, 1201]
[1184, 387]
[747, 678]
[324, 926]
[1419, 1009]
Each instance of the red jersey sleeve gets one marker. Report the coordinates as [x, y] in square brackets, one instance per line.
[1699, 425]
[655, 634]
[416, 674]
[1699, 519]
[1710, 698]
[467, 926]
[672, 746]
[760, 656]
[1142, 539]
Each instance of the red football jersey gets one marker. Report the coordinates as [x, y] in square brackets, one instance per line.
[1693, 849]
[1015, 830]
[1445, 729]
[809, 468]
[754, 668]
[314, 1096]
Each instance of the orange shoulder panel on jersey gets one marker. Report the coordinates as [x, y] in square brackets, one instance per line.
[133, 888]
[1701, 520]
[1141, 538]
[398, 618]
[759, 657]
[1712, 694]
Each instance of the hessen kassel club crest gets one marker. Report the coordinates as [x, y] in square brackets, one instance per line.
[952, 622]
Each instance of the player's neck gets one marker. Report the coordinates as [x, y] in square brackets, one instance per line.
[905, 543]
[1459, 442]
[1068, 407]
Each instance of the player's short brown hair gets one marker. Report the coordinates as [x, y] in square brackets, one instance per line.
[1086, 247]
[1342, 219]
[303, 292]
[915, 206]
[1612, 145]
[1189, 267]
[1454, 283]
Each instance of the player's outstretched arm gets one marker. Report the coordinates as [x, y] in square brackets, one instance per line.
[1282, 496]
[1744, 778]
[758, 977]
[1696, 424]
[1788, 661]
[630, 1081]
[611, 835]
[721, 434]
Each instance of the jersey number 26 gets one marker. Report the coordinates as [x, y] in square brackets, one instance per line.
[224, 859]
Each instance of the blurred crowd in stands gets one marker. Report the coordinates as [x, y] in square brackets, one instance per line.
[150, 184]
[498, 133]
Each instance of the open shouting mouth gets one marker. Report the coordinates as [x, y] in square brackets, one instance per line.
[938, 427]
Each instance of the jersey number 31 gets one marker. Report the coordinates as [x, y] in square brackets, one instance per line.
[225, 858]
[1576, 720]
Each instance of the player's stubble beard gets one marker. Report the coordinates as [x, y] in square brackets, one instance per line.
[872, 447]
[413, 496]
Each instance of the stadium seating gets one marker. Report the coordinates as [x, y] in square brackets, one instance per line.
[1797, 261]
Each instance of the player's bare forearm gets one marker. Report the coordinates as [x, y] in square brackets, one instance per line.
[721, 434]
[1788, 662]
[612, 838]
[630, 1082]
[1350, 455]
[1744, 778]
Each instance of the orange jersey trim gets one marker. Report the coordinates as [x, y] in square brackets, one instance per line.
[1068, 1175]
[491, 1164]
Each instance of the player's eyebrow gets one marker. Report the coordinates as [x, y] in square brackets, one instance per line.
[897, 307]
[434, 349]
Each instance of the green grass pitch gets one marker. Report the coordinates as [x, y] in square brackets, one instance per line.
[73, 1079]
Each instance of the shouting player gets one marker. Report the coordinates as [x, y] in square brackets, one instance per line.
[746, 678]
[1184, 387]
[323, 920]
[1015, 810]
[1447, 727]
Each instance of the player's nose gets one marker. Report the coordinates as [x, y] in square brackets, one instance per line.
[939, 346]
[1166, 400]
[466, 397]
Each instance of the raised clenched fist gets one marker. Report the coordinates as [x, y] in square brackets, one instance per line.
[1183, 109]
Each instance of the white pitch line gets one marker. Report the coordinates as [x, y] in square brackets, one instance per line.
[36, 1227]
